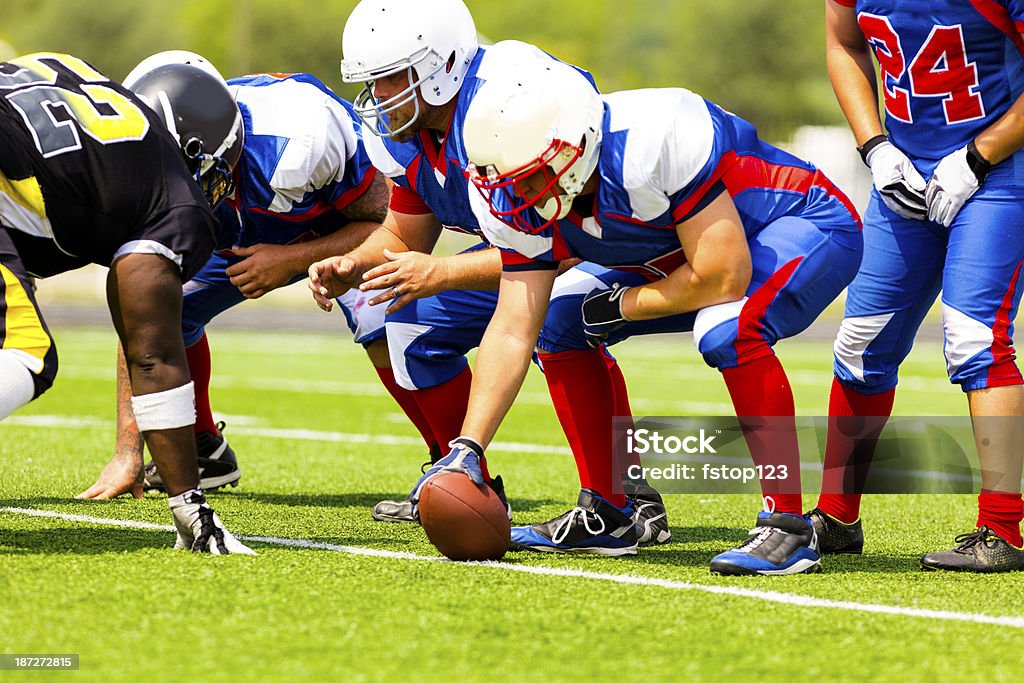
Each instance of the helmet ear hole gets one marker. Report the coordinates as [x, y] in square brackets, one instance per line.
[192, 148]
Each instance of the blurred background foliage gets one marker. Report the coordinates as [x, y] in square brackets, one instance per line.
[762, 63]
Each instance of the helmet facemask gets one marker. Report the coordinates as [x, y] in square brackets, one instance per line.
[552, 202]
[373, 111]
[433, 42]
[533, 118]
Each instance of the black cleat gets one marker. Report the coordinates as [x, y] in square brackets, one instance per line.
[594, 526]
[780, 544]
[834, 537]
[650, 517]
[403, 510]
[218, 465]
[980, 551]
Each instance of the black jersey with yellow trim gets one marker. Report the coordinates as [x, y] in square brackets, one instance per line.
[86, 164]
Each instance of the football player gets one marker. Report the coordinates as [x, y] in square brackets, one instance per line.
[952, 77]
[89, 174]
[304, 189]
[731, 238]
[422, 66]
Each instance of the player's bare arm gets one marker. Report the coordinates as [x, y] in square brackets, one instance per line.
[400, 232]
[124, 473]
[265, 267]
[852, 71]
[506, 349]
[144, 294]
[412, 275]
[717, 268]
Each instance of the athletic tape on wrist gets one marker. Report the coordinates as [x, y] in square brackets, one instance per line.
[166, 409]
[470, 443]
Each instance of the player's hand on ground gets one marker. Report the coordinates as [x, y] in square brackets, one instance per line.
[200, 529]
[407, 276]
[952, 183]
[900, 185]
[330, 278]
[263, 268]
[123, 474]
[602, 313]
[464, 457]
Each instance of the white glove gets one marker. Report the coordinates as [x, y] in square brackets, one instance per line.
[897, 181]
[951, 185]
[200, 529]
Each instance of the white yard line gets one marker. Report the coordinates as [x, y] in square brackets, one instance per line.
[625, 579]
[290, 434]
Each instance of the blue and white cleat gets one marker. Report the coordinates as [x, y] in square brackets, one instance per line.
[594, 526]
[781, 543]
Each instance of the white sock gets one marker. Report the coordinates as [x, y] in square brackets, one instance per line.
[16, 386]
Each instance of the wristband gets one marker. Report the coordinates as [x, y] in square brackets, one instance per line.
[977, 163]
[866, 148]
[469, 443]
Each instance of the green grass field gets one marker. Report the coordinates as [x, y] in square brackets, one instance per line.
[320, 442]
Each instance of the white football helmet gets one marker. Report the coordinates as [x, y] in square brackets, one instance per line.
[535, 116]
[432, 41]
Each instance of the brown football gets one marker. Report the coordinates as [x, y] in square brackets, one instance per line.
[464, 521]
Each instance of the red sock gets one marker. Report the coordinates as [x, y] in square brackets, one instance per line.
[855, 422]
[583, 393]
[763, 401]
[198, 356]
[1002, 513]
[407, 402]
[624, 458]
[444, 408]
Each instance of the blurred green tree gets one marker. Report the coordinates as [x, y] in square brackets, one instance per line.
[763, 60]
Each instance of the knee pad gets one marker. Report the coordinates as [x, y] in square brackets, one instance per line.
[418, 362]
[17, 382]
[852, 366]
[976, 356]
[714, 332]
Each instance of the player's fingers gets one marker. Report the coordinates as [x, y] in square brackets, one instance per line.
[398, 304]
[378, 271]
[90, 493]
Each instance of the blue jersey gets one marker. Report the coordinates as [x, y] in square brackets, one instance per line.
[302, 163]
[948, 69]
[434, 167]
[665, 155]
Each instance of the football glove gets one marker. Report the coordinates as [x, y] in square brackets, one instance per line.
[200, 529]
[898, 183]
[957, 177]
[602, 313]
[464, 456]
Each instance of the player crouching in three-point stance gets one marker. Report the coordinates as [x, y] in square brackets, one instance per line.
[953, 74]
[740, 242]
[89, 174]
[422, 65]
[304, 189]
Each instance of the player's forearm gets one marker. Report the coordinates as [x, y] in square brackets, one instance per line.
[303, 254]
[852, 73]
[371, 252]
[129, 440]
[505, 351]
[684, 291]
[498, 374]
[1005, 136]
[478, 270]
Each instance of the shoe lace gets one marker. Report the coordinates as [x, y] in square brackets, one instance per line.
[758, 535]
[981, 535]
[570, 519]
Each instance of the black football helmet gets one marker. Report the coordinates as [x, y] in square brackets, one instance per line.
[201, 114]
